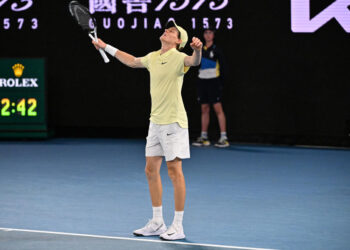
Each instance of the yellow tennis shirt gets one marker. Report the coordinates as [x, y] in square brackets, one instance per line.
[167, 72]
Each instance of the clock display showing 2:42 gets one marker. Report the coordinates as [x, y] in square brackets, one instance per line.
[22, 107]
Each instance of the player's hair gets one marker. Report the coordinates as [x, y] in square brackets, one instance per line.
[178, 36]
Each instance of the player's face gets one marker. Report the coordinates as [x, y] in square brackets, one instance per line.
[208, 36]
[171, 36]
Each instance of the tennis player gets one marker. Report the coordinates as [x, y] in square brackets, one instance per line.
[209, 85]
[168, 128]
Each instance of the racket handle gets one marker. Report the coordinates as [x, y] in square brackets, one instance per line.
[102, 52]
[104, 56]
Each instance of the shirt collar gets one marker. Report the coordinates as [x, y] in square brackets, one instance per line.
[168, 52]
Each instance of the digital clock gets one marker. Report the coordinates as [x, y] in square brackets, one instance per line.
[22, 107]
[22, 98]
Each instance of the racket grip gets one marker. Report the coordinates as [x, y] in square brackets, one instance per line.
[104, 56]
[92, 37]
[102, 52]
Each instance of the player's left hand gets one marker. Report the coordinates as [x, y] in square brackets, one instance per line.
[196, 44]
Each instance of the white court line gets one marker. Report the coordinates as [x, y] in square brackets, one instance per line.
[131, 239]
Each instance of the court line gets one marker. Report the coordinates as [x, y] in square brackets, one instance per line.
[131, 239]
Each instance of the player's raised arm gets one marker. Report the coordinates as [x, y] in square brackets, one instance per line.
[125, 58]
[196, 57]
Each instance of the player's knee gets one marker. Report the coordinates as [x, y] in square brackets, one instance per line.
[150, 172]
[175, 174]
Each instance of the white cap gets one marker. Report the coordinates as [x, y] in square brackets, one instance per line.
[183, 33]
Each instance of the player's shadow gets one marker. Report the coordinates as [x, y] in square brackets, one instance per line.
[173, 246]
[188, 247]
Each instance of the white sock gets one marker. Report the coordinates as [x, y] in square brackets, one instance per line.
[204, 135]
[178, 218]
[158, 214]
[223, 135]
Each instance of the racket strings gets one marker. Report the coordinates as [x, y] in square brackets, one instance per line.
[82, 16]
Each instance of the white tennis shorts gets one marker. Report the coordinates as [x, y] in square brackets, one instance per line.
[168, 140]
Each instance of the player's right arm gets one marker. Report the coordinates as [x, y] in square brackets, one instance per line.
[123, 57]
[129, 60]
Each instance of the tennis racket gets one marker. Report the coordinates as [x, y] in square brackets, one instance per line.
[83, 17]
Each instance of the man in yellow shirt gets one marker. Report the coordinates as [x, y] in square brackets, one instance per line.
[168, 130]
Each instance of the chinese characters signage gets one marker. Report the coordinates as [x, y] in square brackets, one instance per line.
[142, 5]
[103, 6]
[121, 14]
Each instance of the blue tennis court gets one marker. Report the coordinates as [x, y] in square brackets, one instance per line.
[92, 193]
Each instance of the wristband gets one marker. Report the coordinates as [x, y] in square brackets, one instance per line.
[111, 50]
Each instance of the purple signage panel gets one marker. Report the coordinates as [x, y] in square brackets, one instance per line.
[303, 23]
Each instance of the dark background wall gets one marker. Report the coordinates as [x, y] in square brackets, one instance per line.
[283, 87]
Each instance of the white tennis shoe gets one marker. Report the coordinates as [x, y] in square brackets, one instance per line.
[175, 232]
[152, 228]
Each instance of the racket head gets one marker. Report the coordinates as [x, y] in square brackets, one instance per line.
[82, 15]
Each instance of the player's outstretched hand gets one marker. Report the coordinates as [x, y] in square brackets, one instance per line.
[196, 44]
[99, 44]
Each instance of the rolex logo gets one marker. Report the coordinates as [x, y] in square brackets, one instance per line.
[18, 81]
[18, 69]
